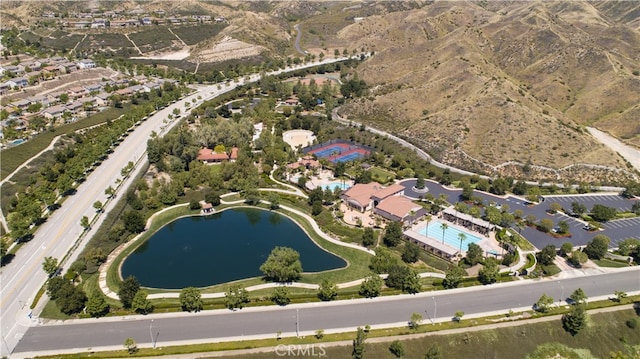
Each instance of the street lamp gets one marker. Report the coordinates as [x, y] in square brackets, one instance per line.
[151, 334]
[561, 293]
[435, 310]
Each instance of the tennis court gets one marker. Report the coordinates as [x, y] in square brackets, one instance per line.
[327, 151]
[339, 151]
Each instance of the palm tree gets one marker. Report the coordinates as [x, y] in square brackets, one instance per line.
[462, 237]
[428, 218]
[412, 214]
[444, 227]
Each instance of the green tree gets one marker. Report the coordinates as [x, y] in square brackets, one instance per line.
[383, 261]
[191, 299]
[371, 286]
[563, 227]
[576, 320]
[444, 227]
[545, 225]
[71, 299]
[434, 352]
[578, 258]
[462, 237]
[393, 234]
[597, 247]
[97, 306]
[420, 182]
[97, 205]
[628, 246]
[458, 316]
[131, 346]
[236, 297]
[415, 321]
[411, 252]
[280, 296]
[631, 190]
[566, 248]
[327, 290]
[578, 296]
[489, 272]
[547, 255]
[602, 213]
[274, 201]
[474, 254]
[133, 221]
[396, 349]
[282, 265]
[544, 303]
[84, 222]
[453, 277]
[368, 239]
[140, 303]
[578, 208]
[53, 286]
[358, 344]
[404, 278]
[128, 290]
[50, 265]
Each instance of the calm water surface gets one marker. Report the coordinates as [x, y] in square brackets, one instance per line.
[231, 245]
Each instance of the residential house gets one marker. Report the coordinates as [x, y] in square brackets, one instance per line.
[4, 88]
[19, 82]
[15, 70]
[207, 155]
[93, 87]
[74, 107]
[146, 21]
[45, 101]
[148, 86]
[136, 88]
[54, 112]
[21, 104]
[124, 92]
[33, 65]
[76, 92]
[364, 196]
[52, 69]
[98, 24]
[68, 67]
[56, 60]
[102, 99]
[86, 64]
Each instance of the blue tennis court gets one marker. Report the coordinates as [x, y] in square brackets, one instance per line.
[451, 235]
[348, 157]
[328, 151]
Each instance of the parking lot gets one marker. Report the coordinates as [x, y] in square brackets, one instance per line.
[617, 230]
[610, 200]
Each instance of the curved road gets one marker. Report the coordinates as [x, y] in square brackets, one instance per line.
[256, 322]
[22, 278]
[298, 37]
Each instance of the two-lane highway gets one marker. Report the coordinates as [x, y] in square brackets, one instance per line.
[220, 324]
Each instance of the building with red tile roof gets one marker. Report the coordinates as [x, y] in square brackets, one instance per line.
[207, 155]
[364, 196]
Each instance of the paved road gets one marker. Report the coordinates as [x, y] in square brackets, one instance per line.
[298, 37]
[251, 322]
[23, 277]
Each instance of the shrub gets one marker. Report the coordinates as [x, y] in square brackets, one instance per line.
[631, 323]
[396, 349]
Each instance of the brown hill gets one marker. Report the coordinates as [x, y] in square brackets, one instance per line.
[511, 82]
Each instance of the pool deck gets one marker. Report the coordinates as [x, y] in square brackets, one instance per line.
[487, 243]
[324, 177]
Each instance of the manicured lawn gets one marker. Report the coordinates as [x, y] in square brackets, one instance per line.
[610, 263]
[381, 176]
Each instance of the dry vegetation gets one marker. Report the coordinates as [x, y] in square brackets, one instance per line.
[478, 84]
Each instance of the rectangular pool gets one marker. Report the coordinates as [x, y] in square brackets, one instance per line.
[333, 185]
[450, 235]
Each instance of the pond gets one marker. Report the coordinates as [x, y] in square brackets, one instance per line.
[230, 245]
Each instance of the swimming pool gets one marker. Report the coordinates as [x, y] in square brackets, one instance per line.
[17, 142]
[333, 185]
[450, 235]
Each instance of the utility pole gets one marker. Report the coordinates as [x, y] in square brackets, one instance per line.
[297, 323]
